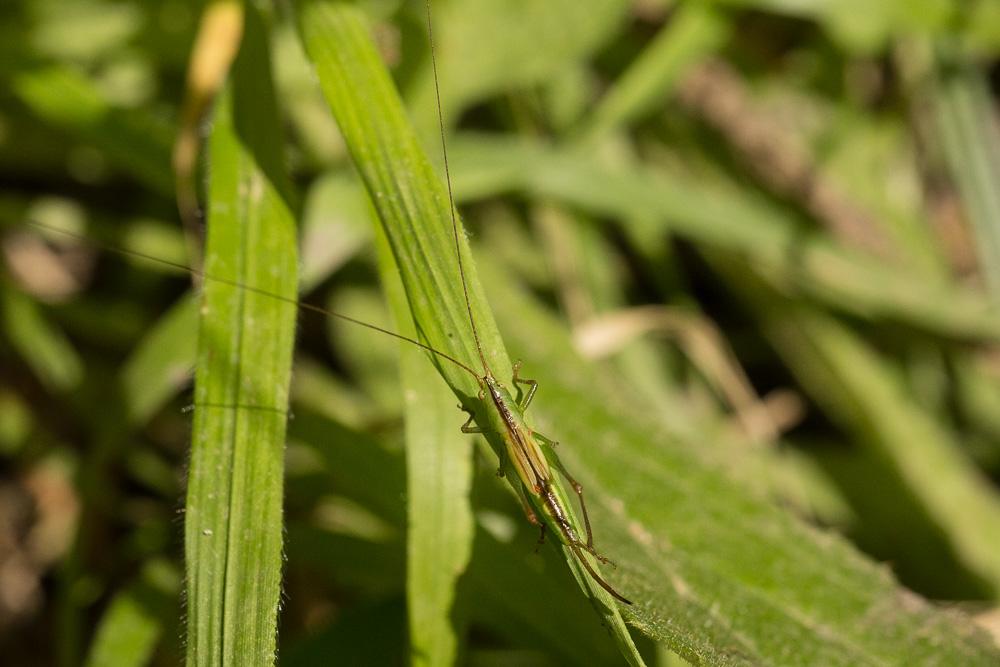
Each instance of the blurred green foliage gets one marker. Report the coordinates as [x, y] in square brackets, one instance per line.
[801, 196]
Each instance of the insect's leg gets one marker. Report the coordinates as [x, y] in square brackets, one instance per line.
[502, 467]
[596, 577]
[553, 458]
[529, 511]
[541, 537]
[532, 386]
[468, 427]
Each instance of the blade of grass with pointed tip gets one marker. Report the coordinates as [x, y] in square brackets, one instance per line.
[233, 522]
[413, 208]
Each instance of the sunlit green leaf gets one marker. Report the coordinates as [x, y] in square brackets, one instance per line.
[233, 515]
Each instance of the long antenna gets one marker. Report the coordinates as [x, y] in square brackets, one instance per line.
[250, 288]
[451, 197]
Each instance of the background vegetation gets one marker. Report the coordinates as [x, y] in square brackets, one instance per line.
[749, 248]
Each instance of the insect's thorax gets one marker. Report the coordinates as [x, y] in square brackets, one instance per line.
[523, 452]
[503, 401]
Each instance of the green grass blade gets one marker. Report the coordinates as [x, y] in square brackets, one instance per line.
[440, 525]
[136, 618]
[692, 34]
[233, 526]
[44, 347]
[413, 208]
[161, 364]
[966, 122]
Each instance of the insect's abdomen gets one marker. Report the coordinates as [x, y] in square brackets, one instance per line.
[534, 472]
[528, 460]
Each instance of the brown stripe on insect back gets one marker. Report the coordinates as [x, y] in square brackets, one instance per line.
[516, 433]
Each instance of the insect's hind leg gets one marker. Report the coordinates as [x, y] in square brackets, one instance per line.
[553, 458]
[541, 537]
[529, 511]
[596, 577]
[533, 519]
[525, 398]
